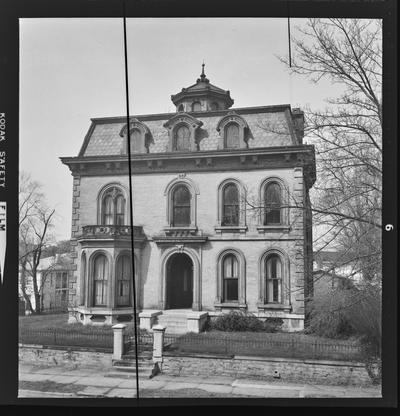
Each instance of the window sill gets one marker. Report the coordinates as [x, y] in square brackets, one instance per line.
[236, 305]
[178, 230]
[273, 228]
[230, 229]
[275, 306]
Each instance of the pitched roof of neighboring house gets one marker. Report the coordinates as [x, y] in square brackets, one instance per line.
[320, 274]
[57, 262]
[338, 258]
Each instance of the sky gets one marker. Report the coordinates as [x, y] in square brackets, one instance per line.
[72, 70]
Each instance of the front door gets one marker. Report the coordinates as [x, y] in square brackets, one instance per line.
[179, 282]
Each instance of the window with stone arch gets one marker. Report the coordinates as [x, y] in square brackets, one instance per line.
[232, 136]
[230, 205]
[230, 278]
[231, 215]
[100, 280]
[273, 204]
[113, 207]
[182, 138]
[273, 279]
[181, 206]
[196, 106]
[123, 280]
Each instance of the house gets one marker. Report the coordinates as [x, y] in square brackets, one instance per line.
[220, 207]
[337, 263]
[53, 275]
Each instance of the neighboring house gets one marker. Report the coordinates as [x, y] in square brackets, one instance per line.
[337, 263]
[199, 246]
[53, 280]
[326, 282]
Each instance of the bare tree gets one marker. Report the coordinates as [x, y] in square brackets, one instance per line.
[35, 223]
[346, 199]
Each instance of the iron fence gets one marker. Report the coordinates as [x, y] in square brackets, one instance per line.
[269, 347]
[53, 337]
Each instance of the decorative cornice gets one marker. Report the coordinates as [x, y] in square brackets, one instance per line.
[198, 161]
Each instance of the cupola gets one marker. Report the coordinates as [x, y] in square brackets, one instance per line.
[202, 96]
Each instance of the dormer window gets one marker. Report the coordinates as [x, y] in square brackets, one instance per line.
[233, 131]
[232, 137]
[214, 106]
[182, 139]
[196, 106]
[182, 132]
[139, 135]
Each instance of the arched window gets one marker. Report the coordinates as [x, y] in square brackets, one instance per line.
[181, 206]
[196, 106]
[230, 208]
[119, 210]
[232, 136]
[108, 210]
[230, 279]
[214, 106]
[136, 141]
[273, 279]
[273, 203]
[100, 280]
[123, 278]
[113, 207]
[182, 139]
[180, 108]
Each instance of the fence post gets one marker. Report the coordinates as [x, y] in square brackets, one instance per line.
[118, 349]
[158, 344]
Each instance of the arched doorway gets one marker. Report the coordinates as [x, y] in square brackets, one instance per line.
[179, 282]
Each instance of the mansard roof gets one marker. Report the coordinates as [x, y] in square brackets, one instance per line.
[104, 135]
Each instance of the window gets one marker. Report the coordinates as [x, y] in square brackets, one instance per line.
[100, 279]
[113, 207]
[230, 287]
[273, 279]
[196, 106]
[273, 204]
[230, 210]
[232, 136]
[233, 130]
[139, 135]
[180, 108]
[61, 283]
[214, 106]
[124, 277]
[136, 141]
[182, 139]
[181, 206]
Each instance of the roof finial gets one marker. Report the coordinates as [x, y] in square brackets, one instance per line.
[202, 76]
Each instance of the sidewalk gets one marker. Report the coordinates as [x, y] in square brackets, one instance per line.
[61, 382]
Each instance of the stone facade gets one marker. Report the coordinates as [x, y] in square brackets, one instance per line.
[268, 150]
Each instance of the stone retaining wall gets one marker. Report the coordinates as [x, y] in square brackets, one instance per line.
[290, 370]
[69, 357]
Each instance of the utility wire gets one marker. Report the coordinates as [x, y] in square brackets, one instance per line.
[128, 137]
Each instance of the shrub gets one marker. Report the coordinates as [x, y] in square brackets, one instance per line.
[237, 321]
[328, 316]
[273, 324]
